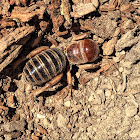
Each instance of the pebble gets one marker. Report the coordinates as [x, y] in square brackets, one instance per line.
[131, 111]
[119, 88]
[96, 79]
[105, 80]
[40, 116]
[116, 59]
[99, 91]
[116, 73]
[107, 93]
[46, 122]
[10, 99]
[90, 98]
[122, 52]
[121, 69]
[61, 122]
[137, 118]
[67, 103]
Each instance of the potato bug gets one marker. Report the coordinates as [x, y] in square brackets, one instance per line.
[47, 64]
[44, 66]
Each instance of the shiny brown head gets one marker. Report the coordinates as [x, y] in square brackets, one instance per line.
[82, 51]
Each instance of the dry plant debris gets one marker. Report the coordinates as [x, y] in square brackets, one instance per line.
[105, 102]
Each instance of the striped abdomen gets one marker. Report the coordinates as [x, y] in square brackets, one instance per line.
[44, 66]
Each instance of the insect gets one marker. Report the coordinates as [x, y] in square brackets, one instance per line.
[48, 64]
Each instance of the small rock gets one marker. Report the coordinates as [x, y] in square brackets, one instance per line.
[116, 59]
[121, 69]
[55, 135]
[122, 52]
[82, 9]
[46, 122]
[131, 111]
[90, 98]
[40, 116]
[61, 122]
[99, 91]
[67, 104]
[126, 64]
[107, 93]
[115, 73]
[96, 79]
[15, 125]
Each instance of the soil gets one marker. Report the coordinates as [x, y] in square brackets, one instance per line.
[104, 102]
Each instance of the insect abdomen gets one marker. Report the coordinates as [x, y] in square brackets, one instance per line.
[44, 66]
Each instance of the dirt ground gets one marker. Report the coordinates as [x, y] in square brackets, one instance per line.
[104, 102]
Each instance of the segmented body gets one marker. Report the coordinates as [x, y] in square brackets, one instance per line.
[44, 66]
[82, 51]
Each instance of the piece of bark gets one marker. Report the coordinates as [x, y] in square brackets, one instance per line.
[56, 16]
[111, 6]
[65, 10]
[15, 36]
[82, 9]
[23, 2]
[11, 44]
[5, 7]
[103, 26]
[6, 23]
[41, 129]
[27, 13]
[43, 25]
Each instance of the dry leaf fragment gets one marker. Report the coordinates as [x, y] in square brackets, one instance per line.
[127, 40]
[108, 47]
[41, 129]
[125, 7]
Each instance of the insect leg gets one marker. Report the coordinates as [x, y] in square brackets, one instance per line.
[67, 90]
[54, 81]
[89, 66]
